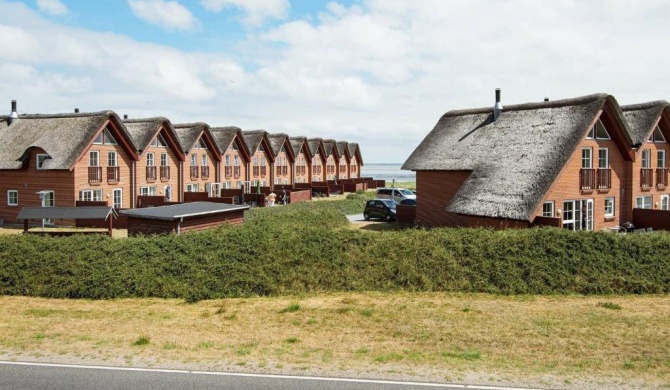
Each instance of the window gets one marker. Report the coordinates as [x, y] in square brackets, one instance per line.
[164, 159]
[227, 160]
[111, 159]
[598, 131]
[192, 188]
[49, 199]
[603, 158]
[661, 159]
[587, 155]
[657, 136]
[105, 137]
[90, 195]
[117, 198]
[200, 144]
[643, 202]
[255, 161]
[12, 198]
[148, 191]
[150, 159]
[548, 209]
[237, 161]
[204, 160]
[40, 160]
[93, 158]
[609, 207]
[578, 214]
[664, 202]
[167, 190]
[158, 141]
[262, 161]
[194, 160]
[646, 158]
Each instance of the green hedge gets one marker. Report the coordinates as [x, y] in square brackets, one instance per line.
[308, 248]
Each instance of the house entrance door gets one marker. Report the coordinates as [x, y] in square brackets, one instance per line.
[578, 214]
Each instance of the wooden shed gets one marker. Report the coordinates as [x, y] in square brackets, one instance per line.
[182, 217]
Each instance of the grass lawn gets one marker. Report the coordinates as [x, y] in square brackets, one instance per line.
[607, 342]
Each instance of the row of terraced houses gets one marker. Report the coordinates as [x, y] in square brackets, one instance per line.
[59, 159]
[581, 164]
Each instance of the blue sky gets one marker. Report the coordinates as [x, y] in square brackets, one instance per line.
[376, 72]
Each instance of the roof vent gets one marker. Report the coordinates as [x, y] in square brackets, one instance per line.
[14, 116]
[125, 116]
[546, 99]
[76, 111]
[497, 108]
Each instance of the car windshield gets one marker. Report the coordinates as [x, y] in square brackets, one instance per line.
[406, 192]
[389, 202]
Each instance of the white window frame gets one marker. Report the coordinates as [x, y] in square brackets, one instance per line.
[587, 158]
[117, 193]
[550, 211]
[194, 159]
[92, 153]
[164, 160]
[654, 138]
[237, 161]
[609, 207]
[661, 161]
[167, 192]
[603, 163]
[148, 191]
[151, 159]
[665, 202]
[643, 202]
[193, 187]
[646, 158]
[90, 195]
[574, 217]
[205, 160]
[112, 159]
[39, 160]
[15, 193]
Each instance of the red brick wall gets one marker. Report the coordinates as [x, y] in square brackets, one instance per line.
[81, 181]
[567, 185]
[437, 188]
[654, 191]
[296, 196]
[233, 180]
[283, 179]
[268, 174]
[405, 214]
[141, 172]
[211, 163]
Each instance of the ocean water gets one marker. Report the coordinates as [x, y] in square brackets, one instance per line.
[388, 172]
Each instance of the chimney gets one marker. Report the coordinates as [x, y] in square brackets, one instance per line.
[76, 111]
[14, 116]
[546, 99]
[497, 108]
[125, 116]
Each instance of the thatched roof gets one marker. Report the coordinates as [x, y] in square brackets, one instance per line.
[513, 160]
[253, 139]
[355, 151]
[224, 136]
[329, 147]
[277, 141]
[297, 143]
[315, 146]
[142, 131]
[189, 133]
[64, 137]
[642, 119]
[342, 149]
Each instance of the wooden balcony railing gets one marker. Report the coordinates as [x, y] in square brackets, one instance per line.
[236, 172]
[204, 172]
[587, 179]
[228, 171]
[165, 173]
[94, 175]
[151, 173]
[284, 170]
[278, 171]
[194, 172]
[256, 171]
[113, 175]
[646, 178]
[604, 179]
[661, 177]
[263, 171]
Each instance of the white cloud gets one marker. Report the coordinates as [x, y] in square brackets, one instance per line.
[170, 15]
[257, 11]
[53, 7]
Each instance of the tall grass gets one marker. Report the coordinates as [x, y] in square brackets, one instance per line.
[307, 248]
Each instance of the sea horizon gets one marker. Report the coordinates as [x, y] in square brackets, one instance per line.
[388, 172]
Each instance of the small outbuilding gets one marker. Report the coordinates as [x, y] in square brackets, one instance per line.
[104, 213]
[182, 217]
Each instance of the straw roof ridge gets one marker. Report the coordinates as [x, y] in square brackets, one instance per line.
[513, 160]
[188, 134]
[276, 141]
[642, 118]
[342, 148]
[224, 136]
[297, 143]
[253, 139]
[143, 130]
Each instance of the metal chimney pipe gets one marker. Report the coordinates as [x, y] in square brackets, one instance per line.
[125, 116]
[76, 111]
[14, 115]
[546, 99]
[497, 108]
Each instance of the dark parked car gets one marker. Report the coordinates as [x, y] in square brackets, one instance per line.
[383, 209]
[408, 202]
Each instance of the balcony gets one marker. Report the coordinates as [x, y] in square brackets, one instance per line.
[646, 178]
[194, 172]
[228, 171]
[236, 172]
[278, 171]
[587, 179]
[94, 175]
[113, 175]
[165, 173]
[151, 173]
[661, 178]
[284, 170]
[263, 171]
[204, 172]
[604, 179]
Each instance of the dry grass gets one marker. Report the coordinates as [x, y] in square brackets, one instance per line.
[116, 233]
[427, 336]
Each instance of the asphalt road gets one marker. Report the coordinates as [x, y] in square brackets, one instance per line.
[33, 376]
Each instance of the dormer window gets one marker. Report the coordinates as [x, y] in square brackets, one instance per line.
[158, 142]
[261, 148]
[657, 136]
[200, 144]
[40, 160]
[105, 138]
[598, 131]
[234, 146]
